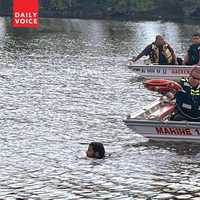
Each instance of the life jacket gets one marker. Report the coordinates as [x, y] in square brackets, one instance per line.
[155, 54]
[188, 100]
[193, 54]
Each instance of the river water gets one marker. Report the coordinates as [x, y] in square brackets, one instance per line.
[66, 85]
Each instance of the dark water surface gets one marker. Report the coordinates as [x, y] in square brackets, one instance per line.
[67, 85]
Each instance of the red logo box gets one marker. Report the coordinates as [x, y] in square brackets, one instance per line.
[25, 14]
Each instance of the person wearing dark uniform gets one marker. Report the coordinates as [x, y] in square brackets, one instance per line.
[193, 54]
[159, 52]
[188, 99]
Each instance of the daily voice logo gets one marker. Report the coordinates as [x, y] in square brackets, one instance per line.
[25, 14]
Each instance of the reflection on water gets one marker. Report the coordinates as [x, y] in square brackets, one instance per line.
[179, 148]
[67, 84]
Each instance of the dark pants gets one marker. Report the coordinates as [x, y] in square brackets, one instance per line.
[179, 117]
[180, 61]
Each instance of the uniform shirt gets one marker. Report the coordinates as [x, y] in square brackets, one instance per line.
[193, 54]
[188, 99]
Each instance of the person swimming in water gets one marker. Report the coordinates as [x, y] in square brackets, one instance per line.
[95, 150]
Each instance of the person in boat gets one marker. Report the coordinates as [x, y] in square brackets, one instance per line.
[159, 52]
[192, 56]
[95, 150]
[188, 99]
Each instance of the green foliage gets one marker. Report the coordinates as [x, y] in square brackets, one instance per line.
[57, 4]
[114, 7]
[117, 5]
[144, 5]
[5, 6]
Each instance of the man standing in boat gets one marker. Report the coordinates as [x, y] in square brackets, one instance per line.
[160, 52]
[193, 54]
[188, 99]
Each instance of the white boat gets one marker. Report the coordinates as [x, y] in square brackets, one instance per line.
[153, 122]
[155, 71]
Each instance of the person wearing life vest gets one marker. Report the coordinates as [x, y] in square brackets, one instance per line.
[159, 52]
[192, 56]
[188, 99]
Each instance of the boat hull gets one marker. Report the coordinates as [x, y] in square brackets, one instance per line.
[153, 122]
[170, 72]
[166, 130]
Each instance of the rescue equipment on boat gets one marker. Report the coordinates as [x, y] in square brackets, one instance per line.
[162, 86]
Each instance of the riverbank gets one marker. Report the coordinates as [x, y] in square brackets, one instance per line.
[134, 18]
[127, 9]
[132, 14]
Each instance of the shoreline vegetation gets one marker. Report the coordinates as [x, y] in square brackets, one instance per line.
[114, 9]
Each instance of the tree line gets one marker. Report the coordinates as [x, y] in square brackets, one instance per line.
[113, 8]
